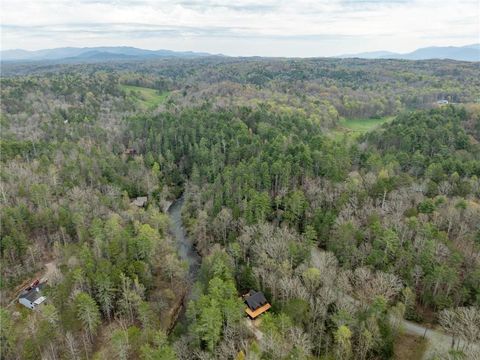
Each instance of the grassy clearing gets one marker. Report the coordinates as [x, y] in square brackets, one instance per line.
[149, 98]
[363, 125]
[409, 347]
[356, 127]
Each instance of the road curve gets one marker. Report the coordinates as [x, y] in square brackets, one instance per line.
[439, 342]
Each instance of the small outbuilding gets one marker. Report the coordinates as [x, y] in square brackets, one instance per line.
[140, 201]
[130, 152]
[32, 296]
[257, 304]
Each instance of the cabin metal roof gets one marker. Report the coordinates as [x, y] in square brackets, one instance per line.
[255, 300]
[32, 295]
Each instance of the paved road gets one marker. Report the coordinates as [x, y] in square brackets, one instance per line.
[439, 342]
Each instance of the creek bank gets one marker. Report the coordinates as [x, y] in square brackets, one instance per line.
[187, 253]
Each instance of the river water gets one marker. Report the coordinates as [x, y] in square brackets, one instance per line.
[185, 247]
[187, 253]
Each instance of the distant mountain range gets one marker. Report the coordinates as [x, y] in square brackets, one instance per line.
[87, 54]
[462, 53]
[111, 53]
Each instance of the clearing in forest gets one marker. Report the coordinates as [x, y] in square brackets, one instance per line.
[356, 127]
[147, 97]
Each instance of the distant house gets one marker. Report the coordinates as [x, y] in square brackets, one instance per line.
[32, 296]
[442, 102]
[140, 201]
[256, 304]
[130, 151]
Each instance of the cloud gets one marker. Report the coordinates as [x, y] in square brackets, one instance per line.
[152, 30]
[271, 26]
[208, 5]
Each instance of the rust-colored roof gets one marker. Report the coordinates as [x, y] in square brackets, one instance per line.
[260, 310]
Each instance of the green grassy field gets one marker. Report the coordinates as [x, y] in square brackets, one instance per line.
[357, 127]
[147, 97]
[363, 125]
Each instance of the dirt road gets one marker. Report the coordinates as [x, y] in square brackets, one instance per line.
[49, 272]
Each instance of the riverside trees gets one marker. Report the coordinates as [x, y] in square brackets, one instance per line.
[335, 231]
[381, 216]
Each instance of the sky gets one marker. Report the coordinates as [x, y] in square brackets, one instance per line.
[301, 28]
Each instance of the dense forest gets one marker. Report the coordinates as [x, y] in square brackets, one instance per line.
[346, 233]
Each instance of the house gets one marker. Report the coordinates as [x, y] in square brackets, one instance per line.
[32, 296]
[140, 201]
[256, 304]
[130, 151]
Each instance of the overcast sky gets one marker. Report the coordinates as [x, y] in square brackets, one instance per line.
[242, 27]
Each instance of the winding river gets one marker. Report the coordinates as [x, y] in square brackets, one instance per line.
[187, 252]
[185, 247]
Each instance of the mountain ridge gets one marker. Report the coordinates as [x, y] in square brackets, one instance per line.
[461, 53]
[103, 53]
[95, 53]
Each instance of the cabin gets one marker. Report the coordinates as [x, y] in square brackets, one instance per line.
[32, 296]
[140, 201]
[257, 304]
[130, 152]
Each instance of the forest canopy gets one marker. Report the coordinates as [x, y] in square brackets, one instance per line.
[346, 234]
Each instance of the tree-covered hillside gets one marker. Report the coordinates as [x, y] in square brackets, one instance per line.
[345, 235]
